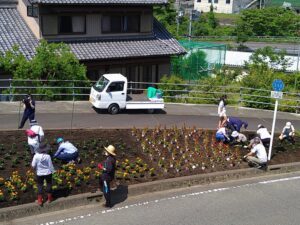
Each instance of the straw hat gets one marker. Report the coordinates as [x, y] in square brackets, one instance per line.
[43, 148]
[111, 150]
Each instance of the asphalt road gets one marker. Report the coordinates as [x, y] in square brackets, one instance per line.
[259, 201]
[58, 115]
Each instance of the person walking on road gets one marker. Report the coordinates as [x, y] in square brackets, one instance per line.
[35, 136]
[42, 163]
[29, 111]
[257, 156]
[108, 173]
[235, 124]
[66, 151]
[288, 133]
[222, 111]
[264, 135]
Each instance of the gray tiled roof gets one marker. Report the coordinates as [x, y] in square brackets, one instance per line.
[14, 31]
[101, 2]
[158, 45]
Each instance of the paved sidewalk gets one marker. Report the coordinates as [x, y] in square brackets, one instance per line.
[58, 115]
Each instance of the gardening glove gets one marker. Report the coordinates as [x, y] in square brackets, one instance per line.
[100, 166]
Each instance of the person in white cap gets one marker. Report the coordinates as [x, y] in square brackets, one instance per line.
[264, 135]
[257, 156]
[239, 137]
[288, 133]
[35, 135]
[108, 173]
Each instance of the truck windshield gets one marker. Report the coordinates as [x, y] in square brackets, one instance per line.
[101, 84]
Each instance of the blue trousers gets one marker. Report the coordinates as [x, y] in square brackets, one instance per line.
[68, 156]
[26, 115]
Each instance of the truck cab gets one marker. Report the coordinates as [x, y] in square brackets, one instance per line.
[110, 92]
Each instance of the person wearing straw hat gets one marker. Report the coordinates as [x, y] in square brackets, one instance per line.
[35, 136]
[108, 173]
[43, 166]
[288, 133]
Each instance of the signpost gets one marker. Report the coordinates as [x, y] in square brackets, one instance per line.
[278, 86]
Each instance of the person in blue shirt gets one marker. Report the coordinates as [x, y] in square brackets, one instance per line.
[29, 111]
[235, 124]
[66, 151]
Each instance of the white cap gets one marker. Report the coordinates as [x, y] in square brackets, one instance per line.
[235, 134]
[288, 124]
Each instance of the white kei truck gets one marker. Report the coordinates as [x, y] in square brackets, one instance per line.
[110, 92]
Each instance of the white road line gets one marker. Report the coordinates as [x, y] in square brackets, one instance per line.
[81, 217]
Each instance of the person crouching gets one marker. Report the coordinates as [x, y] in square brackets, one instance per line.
[42, 163]
[66, 151]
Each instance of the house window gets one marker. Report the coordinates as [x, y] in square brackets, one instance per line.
[209, 1]
[198, 0]
[216, 1]
[227, 1]
[121, 24]
[32, 11]
[71, 24]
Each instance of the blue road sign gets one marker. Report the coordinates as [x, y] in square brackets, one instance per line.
[277, 85]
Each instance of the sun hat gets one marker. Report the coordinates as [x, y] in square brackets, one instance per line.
[111, 150]
[43, 148]
[33, 122]
[235, 134]
[288, 124]
[59, 140]
[260, 126]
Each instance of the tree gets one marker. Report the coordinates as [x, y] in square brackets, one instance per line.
[51, 62]
[274, 21]
[167, 16]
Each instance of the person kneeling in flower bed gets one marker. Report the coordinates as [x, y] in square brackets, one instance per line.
[108, 173]
[257, 156]
[222, 135]
[66, 151]
[42, 163]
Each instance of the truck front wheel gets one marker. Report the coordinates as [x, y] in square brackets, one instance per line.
[113, 109]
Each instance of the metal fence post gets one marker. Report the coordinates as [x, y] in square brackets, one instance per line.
[73, 91]
[241, 96]
[10, 90]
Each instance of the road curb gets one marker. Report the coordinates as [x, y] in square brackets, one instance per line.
[14, 212]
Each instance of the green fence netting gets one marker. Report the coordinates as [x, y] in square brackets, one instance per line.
[294, 3]
[201, 59]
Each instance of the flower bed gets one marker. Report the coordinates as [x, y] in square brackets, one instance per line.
[142, 155]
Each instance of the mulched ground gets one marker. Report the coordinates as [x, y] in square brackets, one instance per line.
[143, 155]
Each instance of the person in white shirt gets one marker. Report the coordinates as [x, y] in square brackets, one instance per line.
[288, 133]
[239, 137]
[35, 135]
[264, 135]
[222, 111]
[257, 155]
[66, 151]
[43, 166]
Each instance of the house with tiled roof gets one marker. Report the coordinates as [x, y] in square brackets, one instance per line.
[108, 36]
